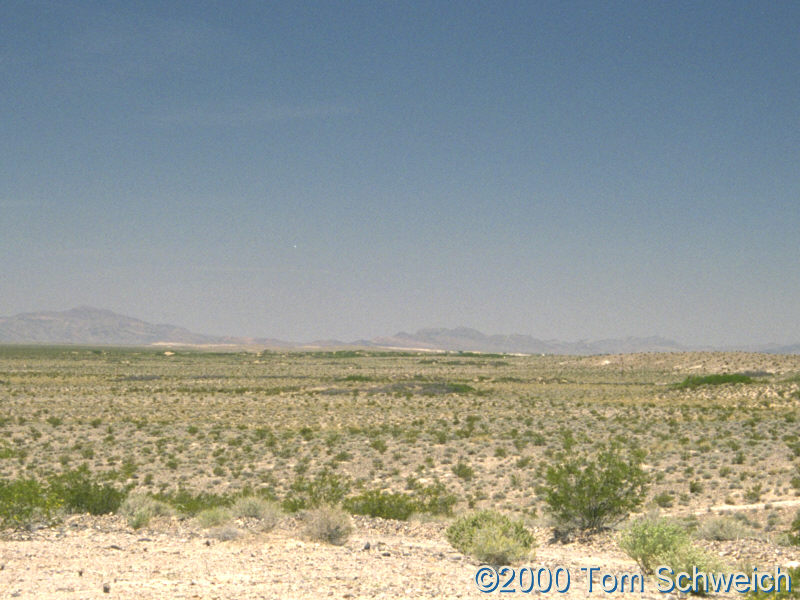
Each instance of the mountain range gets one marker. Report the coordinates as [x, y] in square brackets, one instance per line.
[86, 325]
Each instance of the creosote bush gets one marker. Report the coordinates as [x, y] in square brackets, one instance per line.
[386, 505]
[80, 493]
[433, 499]
[491, 537]
[592, 494]
[326, 487]
[25, 501]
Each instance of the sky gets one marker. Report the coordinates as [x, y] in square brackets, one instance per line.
[302, 171]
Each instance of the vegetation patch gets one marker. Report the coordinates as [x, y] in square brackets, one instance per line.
[693, 381]
[386, 505]
[648, 539]
[328, 524]
[588, 494]
[491, 537]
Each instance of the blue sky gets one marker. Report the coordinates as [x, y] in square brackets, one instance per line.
[573, 170]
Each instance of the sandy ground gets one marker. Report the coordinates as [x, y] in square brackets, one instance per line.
[381, 560]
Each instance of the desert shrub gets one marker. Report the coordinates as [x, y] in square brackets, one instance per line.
[139, 509]
[387, 505]
[79, 493]
[794, 530]
[214, 517]
[435, 499]
[25, 501]
[684, 558]
[328, 524]
[253, 507]
[463, 470]
[327, 487]
[664, 499]
[723, 528]
[590, 495]
[781, 593]
[491, 537]
[648, 539]
[693, 381]
[189, 503]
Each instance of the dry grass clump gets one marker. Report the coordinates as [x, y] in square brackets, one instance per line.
[252, 507]
[328, 524]
[139, 510]
[214, 517]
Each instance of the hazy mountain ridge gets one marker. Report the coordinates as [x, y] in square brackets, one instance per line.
[466, 339]
[88, 326]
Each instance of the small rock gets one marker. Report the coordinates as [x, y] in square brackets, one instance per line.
[366, 546]
[80, 572]
[106, 588]
[386, 553]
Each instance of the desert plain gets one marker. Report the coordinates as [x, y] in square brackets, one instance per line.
[462, 431]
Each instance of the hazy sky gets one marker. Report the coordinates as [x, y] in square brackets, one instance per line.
[575, 170]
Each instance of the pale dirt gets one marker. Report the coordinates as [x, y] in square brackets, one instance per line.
[175, 559]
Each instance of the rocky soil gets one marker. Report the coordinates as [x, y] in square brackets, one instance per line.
[102, 557]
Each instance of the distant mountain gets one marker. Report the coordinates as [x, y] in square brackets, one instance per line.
[94, 326]
[790, 349]
[466, 339]
[88, 325]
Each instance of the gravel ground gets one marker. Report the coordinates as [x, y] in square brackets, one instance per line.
[382, 559]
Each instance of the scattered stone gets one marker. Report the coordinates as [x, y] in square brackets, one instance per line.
[106, 588]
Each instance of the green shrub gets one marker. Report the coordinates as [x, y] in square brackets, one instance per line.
[684, 558]
[590, 495]
[781, 593]
[25, 501]
[386, 505]
[491, 537]
[693, 381]
[648, 539]
[434, 499]
[664, 499]
[327, 487]
[379, 445]
[190, 503]
[463, 471]
[328, 524]
[794, 530]
[79, 493]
